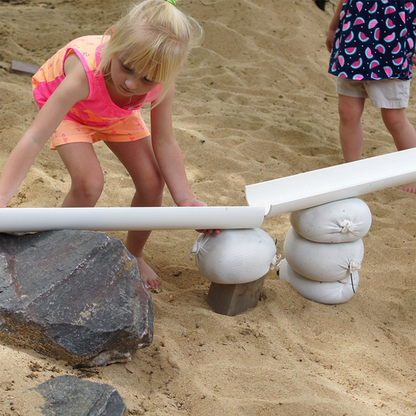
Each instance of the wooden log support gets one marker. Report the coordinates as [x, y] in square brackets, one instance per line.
[233, 299]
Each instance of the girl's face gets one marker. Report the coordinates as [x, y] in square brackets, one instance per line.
[126, 81]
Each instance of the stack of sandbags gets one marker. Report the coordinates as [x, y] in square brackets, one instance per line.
[324, 249]
[235, 256]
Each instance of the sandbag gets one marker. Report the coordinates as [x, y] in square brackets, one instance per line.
[235, 256]
[341, 221]
[330, 293]
[322, 262]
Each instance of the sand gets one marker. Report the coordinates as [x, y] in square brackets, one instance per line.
[254, 103]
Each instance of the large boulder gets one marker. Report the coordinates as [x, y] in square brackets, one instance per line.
[73, 295]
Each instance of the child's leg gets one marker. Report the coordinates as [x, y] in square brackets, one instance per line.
[400, 128]
[403, 133]
[139, 160]
[86, 174]
[350, 128]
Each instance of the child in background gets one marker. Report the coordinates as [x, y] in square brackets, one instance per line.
[372, 46]
[92, 90]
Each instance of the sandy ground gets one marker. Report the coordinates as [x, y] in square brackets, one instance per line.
[254, 103]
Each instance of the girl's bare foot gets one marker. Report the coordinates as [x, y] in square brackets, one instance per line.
[149, 277]
[410, 187]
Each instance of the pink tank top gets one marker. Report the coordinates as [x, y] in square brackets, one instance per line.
[98, 109]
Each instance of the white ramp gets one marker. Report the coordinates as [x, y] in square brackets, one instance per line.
[348, 180]
[124, 218]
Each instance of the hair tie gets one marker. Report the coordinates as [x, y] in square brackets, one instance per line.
[172, 2]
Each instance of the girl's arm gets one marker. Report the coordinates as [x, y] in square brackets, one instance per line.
[333, 26]
[169, 156]
[72, 89]
[168, 153]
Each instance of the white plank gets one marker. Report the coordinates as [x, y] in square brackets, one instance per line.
[321, 186]
[124, 218]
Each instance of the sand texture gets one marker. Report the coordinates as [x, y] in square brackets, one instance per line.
[254, 103]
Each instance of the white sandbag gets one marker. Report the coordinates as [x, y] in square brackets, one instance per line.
[322, 262]
[235, 256]
[336, 222]
[330, 293]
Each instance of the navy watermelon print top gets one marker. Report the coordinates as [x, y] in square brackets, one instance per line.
[374, 40]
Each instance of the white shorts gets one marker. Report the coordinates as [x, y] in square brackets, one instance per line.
[385, 93]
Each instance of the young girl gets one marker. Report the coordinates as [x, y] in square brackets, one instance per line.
[92, 90]
[372, 44]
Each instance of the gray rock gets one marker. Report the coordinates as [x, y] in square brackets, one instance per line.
[70, 396]
[73, 295]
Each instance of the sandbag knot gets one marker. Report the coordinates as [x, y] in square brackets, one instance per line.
[347, 226]
[354, 266]
[275, 260]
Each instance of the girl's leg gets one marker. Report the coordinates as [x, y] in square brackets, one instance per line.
[139, 160]
[350, 128]
[86, 174]
[404, 134]
[400, 128]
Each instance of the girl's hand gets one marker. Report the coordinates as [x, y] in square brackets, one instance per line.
[330, 40]
[192, 203]
[197, 203]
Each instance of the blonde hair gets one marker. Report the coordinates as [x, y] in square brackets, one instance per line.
[154, 36]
